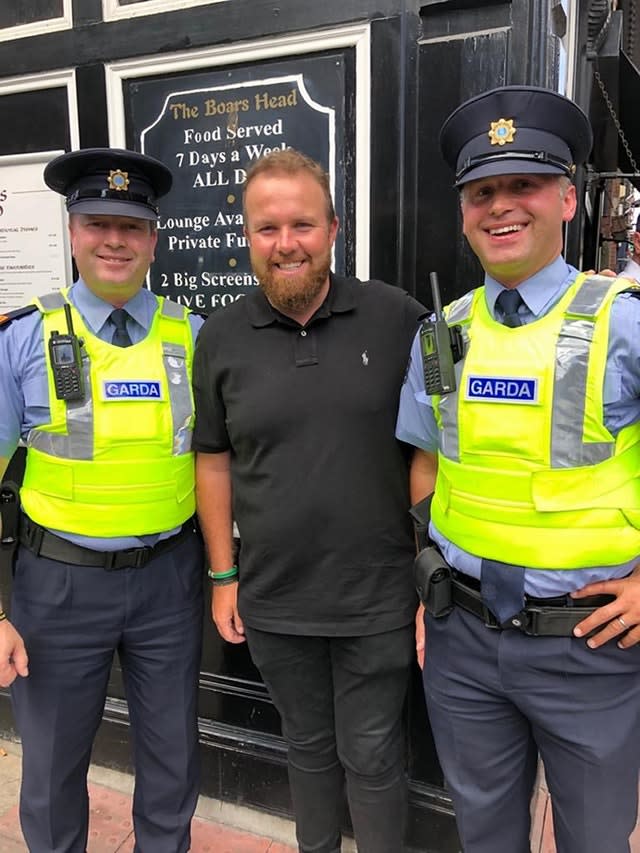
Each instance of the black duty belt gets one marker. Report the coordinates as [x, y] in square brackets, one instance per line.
[43, 543]
[540, 617]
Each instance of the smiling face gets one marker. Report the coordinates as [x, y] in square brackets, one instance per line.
[112, 253]
[290, 240]
[514, 223]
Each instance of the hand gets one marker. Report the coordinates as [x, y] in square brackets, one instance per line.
[420, 636]
[13, 655]
[224, 612]
[608, 273]
[621, 616]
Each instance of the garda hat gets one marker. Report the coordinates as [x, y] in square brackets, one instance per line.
[109, 181]
[515, 130]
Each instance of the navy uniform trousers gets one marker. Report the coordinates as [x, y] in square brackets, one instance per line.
[73, 619]
[341, 700]
[498, 698]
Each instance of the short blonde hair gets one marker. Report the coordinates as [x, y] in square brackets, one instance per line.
[290, 162]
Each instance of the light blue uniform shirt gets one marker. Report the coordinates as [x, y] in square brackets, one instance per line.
[24, 390]
[632, 270]
[417, 425]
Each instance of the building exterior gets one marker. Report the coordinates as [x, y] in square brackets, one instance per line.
[207, 85]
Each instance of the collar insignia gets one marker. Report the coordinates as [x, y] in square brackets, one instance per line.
[118, 180]
[502, 131]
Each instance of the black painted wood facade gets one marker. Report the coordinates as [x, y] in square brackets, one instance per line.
[420, 60]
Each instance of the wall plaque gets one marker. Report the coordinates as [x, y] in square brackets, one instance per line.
[208, 128]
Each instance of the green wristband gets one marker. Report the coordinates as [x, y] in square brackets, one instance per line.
[225, 582]
[222, 576]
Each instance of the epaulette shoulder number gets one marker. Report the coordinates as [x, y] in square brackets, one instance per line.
[7, 319]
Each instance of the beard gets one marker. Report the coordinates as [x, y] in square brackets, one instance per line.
[293, 294]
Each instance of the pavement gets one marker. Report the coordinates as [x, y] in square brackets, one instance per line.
[217, 827]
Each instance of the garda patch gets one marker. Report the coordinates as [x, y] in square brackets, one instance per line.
[502, 389]
[131, 389]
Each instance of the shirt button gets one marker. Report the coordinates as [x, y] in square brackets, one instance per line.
[303, 334]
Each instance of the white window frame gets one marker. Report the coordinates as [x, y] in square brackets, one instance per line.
[113, 11]
[569, 45]
[64, 78]
[37, 28]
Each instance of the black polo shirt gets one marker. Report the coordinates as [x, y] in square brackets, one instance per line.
[320, 485]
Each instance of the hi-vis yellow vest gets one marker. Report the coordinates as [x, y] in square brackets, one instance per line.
[119, 462]
[527, 471]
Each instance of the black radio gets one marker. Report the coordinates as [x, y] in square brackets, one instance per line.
[441, 347]
[66, 362]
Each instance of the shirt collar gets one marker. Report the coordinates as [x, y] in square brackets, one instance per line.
[95, 311]
[540, 292]
[340, 298]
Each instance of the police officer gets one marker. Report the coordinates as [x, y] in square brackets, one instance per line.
[536, 509]
[95, 380]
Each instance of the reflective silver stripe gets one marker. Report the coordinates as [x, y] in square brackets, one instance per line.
[173, 309]
[78, 443]
[570, 387]
[175, 365]
[458, 312]
[52, 301]
[590, 296]
[448, 408]
[80, 417]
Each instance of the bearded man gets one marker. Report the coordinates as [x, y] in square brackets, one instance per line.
[296, 390]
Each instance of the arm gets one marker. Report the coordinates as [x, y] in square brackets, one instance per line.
[13, 655]
[620, 619]
[422, 481]
[422, 475]
[213, 496]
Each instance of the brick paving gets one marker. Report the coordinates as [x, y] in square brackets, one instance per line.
[111, 830]
[110, 826]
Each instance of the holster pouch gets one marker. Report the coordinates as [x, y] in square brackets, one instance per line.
[420, 515]
[10, 513]
[433, 582]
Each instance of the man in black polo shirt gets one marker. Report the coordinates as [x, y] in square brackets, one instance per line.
[297, 389]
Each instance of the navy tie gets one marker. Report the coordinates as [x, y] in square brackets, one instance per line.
[120, 336]
[502, 588]
[509, 301]
[502, 584]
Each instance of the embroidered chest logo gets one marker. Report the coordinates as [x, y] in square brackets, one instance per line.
[502, 389]
[365, 358]
[138, 389]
